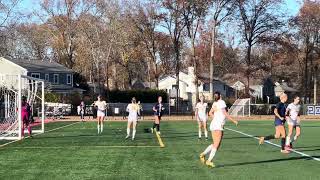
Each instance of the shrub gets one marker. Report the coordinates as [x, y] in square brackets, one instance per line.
[145, 96]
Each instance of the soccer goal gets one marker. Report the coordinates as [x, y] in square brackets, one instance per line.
[12, 89]
[241, 107]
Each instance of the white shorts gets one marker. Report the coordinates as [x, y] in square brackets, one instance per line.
[132, 119]
[202, 118]
[216, 126]
[292, 122]
[101, 113]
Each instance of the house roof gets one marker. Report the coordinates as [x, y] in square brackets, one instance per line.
[286, 88]
[41, 66]
[171, 76]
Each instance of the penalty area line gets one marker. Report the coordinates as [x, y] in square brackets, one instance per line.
[3, 145]
[66, 147]
[159, 139]
[276, 145]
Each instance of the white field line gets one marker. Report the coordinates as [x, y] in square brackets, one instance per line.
[64, 147]
[2, 145]
[273, 144]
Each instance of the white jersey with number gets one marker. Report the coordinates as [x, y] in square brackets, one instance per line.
[133, 110]
[219, 119]
[102, 106]
[202, 111]
[294, 110]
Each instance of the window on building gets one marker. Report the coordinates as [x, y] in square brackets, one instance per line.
[46, 77]
[35, 75]
[56, 78]
[206, 87]
[69, 81]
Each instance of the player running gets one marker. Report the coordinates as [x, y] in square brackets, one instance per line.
[158, 112]
[133, 110]
[101, 112]
[219, 114]
[293, 113]
[201, 115]
[280, 115]
[25, 116]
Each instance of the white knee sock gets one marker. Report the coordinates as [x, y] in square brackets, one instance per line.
[208, 149]
[212, 154]
[98, 129]
[288, 141]
[128, 131]
[206, 133]
[101, 127]
[199, 133]
[134, 133]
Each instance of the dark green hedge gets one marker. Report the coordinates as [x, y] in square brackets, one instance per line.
[144, 96]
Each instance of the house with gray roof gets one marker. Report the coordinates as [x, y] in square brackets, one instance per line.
[58, 78]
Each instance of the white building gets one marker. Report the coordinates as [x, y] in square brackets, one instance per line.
[187, 87]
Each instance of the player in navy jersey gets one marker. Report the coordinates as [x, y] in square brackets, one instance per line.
[158, 112]
[279, 122]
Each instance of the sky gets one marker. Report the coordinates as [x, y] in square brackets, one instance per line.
[29, 5]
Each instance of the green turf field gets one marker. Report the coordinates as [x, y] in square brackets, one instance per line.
[77, 152]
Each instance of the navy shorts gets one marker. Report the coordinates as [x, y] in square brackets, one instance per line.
[279, 122]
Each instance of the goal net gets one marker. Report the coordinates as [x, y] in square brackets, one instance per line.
[12, 89]
[241, 107]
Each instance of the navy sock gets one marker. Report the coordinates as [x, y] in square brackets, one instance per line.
[269, 137]
[283, 143]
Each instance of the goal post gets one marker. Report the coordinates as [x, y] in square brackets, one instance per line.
[241, 107]
[12, 89]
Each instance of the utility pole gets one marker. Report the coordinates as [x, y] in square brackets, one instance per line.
[315, 76]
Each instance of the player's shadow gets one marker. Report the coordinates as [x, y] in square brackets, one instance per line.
[266, 161]
[311, 149]
[304, 147]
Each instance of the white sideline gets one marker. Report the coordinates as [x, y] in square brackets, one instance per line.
[2, 145]
[64, 147]
[273, 144]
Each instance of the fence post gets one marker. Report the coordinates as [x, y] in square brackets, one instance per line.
[249, 107]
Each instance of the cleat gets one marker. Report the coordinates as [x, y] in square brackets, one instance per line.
[210, 164]
[127, 136]
[151, 130]
[199, 138]
[202, 158]
[285, 151]
[133, 139]
[261, 140]
[207, 139]
[288, 148]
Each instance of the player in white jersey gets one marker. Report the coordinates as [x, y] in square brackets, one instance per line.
[201, 116]
[219, 114]
[293, 118]
[134, 110]
[101, 112]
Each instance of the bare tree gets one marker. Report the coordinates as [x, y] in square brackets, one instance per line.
[194, 14]
[174, 22]
[221, 11]
[259, 19]
[308, 24]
